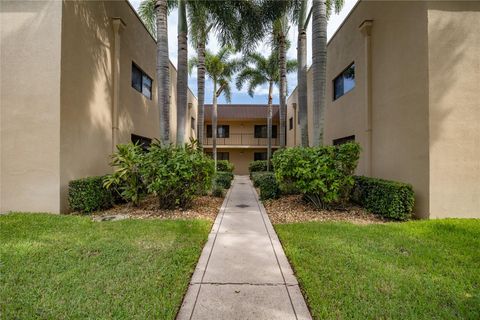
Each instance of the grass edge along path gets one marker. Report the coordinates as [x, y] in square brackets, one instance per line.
[413, 270]
[60, 267]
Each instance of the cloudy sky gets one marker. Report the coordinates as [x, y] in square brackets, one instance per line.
[241, 96]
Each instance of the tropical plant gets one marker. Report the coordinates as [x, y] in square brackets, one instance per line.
[256, 71]
[126, 178]
[176, 174]
[219, 68]
[321, 10]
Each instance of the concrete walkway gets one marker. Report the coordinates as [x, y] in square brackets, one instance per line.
[243, 272]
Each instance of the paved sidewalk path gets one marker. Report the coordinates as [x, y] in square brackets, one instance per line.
[243, 272]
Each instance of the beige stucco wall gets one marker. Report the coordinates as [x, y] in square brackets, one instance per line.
[399, 92]
[30, 105]
[454, 95]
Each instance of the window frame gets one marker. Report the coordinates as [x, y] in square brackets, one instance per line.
[343, 140]
[210, 131]
[274, 131]
[341, 74]
[143, 142]
[258, 153]
[143, 86]
[290, 123]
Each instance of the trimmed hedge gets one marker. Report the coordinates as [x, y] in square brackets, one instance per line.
[225, 166]
[88, 194]
[258, 166]
[266, 182]
[390, 199]
[223, 179]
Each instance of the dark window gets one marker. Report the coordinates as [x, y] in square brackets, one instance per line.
[141, 81]
[220, 155]
[343, 140]
[344, 82]
[192, 123]
[259, 156]
[261, 131]
[223, 131]
[290, 123]
[144, 142]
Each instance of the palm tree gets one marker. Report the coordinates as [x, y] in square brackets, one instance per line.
[200, 25]
[258, 70]
[219, 68]
[182, 71]
[302, 22]
[321, 10]
[155, 15]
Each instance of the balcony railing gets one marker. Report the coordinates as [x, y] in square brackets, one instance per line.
[241, 139]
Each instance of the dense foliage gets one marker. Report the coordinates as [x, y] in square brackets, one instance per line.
[88, 194]
[324, 175]
[266, 182]
[223, 179]
[390, 199]
[257, 166]
[126, 176]
[176, 174]
[225, 166]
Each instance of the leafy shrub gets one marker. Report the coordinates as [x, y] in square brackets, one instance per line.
[257, 177]
[267, 184]
[126, 178]
[176, 174]
[223, 179]
[88, 194]
[225, 166]
[258, 166]
[324, 175]
[218, 191]
[390, 199]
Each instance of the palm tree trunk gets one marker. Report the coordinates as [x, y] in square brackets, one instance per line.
[319, 68]
[269, 125]
[214, 124]
[283, 89]
[201, 91]
[182, 76]
[302, 75]
[163, 70]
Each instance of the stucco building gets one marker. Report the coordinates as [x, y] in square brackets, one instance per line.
[403, 81]
[77, 77]
[241, 133]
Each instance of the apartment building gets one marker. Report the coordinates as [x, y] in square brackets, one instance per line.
[241, 133]
[77, 78]
[403, 81]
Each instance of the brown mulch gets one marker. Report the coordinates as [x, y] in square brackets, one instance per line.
[292, 208]
[204, 207]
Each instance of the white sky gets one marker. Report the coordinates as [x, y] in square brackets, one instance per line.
[241, 96]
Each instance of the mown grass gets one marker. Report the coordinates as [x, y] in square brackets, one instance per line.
[413, 270]
[66, 267]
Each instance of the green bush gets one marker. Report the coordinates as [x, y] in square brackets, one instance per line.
[88, 194]
[257, 177]
[324, 175]
[176, 174]
[225, 166]
[390, 199]
[267, 184]
[223, 179]
[218, 191]
[258, 166]
[126, 178]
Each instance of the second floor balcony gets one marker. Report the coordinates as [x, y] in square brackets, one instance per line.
[241, 139]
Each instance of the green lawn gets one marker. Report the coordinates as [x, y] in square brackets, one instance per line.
[65, 267]
[413, 270]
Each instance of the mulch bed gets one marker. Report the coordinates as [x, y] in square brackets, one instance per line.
[205, 207]
[292, 208]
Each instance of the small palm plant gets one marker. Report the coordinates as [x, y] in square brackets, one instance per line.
[220, 68]
[258, 70]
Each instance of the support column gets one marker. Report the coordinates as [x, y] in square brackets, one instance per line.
[366, 30]
[118, 26]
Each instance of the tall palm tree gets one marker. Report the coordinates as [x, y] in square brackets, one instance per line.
[258, 70]
[154, 13]
[302, 22]
[321, 10]
[219, 68]
[182, 71]
[200, 24]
